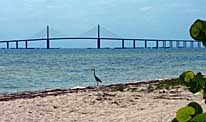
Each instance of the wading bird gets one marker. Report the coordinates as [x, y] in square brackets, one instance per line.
[96, 78]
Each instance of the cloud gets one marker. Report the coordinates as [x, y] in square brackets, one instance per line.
[181, 5]
[192, 10]
[184, 7]
[146, 8]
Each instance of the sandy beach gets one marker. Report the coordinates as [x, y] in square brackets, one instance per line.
[135, 102]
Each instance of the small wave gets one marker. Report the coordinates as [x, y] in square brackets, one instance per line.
[159, 79]
[78, 87]
[3, 67]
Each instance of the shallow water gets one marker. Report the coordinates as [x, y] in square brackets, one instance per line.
[40, 69]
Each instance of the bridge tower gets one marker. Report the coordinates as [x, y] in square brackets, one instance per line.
[98, 38]
[47, 35]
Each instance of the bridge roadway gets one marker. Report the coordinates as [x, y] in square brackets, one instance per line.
[164, 45]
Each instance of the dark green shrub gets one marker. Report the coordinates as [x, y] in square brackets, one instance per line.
[195, 83]
[193, 111]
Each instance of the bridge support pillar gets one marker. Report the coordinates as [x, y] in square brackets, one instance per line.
[134, 46]
[191, 44]
[17, 46]
[26, 44]
[98, 43]
[177, 44]
[164, 44]
[157, 44]
[123, 43]
[199, 44]
[171, 44]
[145, 44]
[7, 45]
[184, 44]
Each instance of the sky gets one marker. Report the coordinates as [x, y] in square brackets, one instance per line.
[151, 19]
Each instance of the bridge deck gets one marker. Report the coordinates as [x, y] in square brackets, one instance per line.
[135, 40]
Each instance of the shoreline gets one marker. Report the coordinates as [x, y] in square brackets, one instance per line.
[55, 92]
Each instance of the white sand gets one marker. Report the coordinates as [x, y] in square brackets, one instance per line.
[98, 106]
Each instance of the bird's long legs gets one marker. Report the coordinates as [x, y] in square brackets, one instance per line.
[97, 84]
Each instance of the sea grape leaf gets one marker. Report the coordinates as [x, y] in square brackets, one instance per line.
[183, 75]
[198, 75]
[189, 76]
[195, 83]
[198, 30]
[195, 86]
[199, 118]
[197, 107]
[200, 79]
[204, 95]
[204, 43]
[175, 120]
[186, 77]
[185, 114]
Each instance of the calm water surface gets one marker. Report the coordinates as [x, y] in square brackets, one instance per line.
[40, 69]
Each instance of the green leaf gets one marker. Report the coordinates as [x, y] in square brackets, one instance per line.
[195, 86]
[186, 77]
[204, 94]
[204, 43]
[189, 76]
[175, 120]
[185, 114]
[195, 83]
[197, 107]
[200, 79]
[199, 118]
[183, 75]
[199, 75]
[198, 30]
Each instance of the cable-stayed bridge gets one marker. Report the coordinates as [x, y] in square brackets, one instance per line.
[100, 34]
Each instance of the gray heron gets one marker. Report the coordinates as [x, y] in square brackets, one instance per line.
[96, 78]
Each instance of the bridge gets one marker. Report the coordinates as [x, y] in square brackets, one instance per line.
[99, 39]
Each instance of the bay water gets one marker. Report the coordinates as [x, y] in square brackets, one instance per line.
[42, 69]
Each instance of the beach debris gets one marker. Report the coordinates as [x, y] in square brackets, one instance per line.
[162, 91]
[115, 102]
[120, 88]
[99, 99]
[55, 92]
[150, 88]
[104, 96]
[99, 93]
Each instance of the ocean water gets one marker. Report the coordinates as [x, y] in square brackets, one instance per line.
[41, 69]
